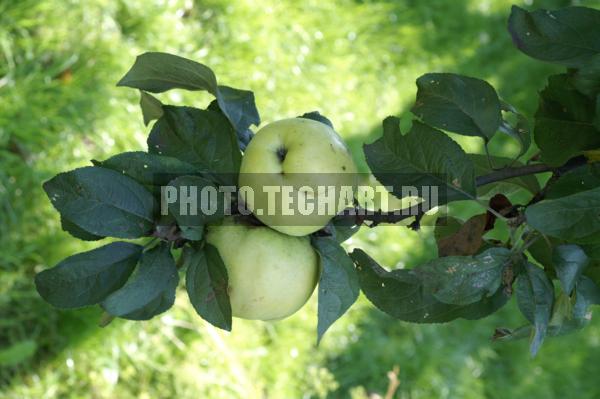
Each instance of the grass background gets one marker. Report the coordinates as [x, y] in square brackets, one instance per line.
[356, 62]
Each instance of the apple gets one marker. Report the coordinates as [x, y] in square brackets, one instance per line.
[271, 275]
[303, 155]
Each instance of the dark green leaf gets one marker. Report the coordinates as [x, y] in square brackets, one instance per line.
[458, 104]
[338, 285]
[587, 78]
[568, 36]
[151, 107]
[159, 72]
[239, 107]
[516, 126]
[148, 169]
[462, 280]
[587, 293]
[575, 181]
[316, 116]
[541, 249]
[569, 261]
[150, 291]
[192, 233]
[535, 297]
[102, 202]
[574, 217]
[77, 231]
[204, 139]
[343, 228]
[483, 166]
[206, 206]
[423, 157]
[564, 122]
[89, 277]
[401, 294]
[206, 283]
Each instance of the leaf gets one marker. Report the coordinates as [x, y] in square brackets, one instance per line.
[102, 202]
[572, 218]
[463, 280]
[148, 169]
[89, 277]
[204, 139]
[564, 122]
[458, 104]
[483, 167]
[338, 284]
[535, 297]
[343, 228]
[569, 261]
[401, 294]
[192, 233]
[587, 293]
[206, 284]
[199, 207]
[239, 107]
[316, 116]
[466, 240]
[150, 291]
[158, 72]
[151, 107]
[541, 249]
[587, 78]
[516, 126]
[568, 36]
[17, 353]
[423, 157]
[77, 231]
[575, 181]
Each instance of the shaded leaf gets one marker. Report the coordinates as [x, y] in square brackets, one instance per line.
[423, 157]
[89, 277]
[587, 78]
[338, 284]
[198, 202]
[564, 122]
[204, 139]
[151, 107]
[401, 294]
[587, 293]
[148, 169]
[206, 284]
[158, 72]
[77, 231]
[516, 126]
[568, 36]
[535, 297]
[102, 202]
[239, 107]
[575, 181]
[316, 116]
[574, 217]
[462, 280]
[150, 291]
[459, 104]
[569, 261]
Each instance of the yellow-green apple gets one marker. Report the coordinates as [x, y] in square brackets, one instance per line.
[271, 275]
[305, 161]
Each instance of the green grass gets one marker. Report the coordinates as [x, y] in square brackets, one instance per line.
[356, 62]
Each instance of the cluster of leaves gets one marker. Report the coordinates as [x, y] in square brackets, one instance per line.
[554, 237]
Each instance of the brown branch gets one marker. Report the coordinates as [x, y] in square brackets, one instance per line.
[376, 217]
